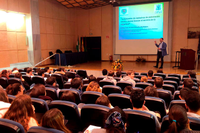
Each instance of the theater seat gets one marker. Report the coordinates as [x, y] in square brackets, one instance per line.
[93, 114]
[176, 95]
[100, 78]
[51, 92]
[75, 92]
[28, 79]
[194, 88]
[175, 75]
[185, 76]
[9, 126]
[142, 85]
[85, 81]
[105, 82]
[123, 84]
[11, 98]
[71, 113]
[141, 122]
[138, 76]
[120, 100]
[151, 81]
[3, 82]
[176, 79]
[82, 73]
[70, 75]
[59, 79]
[136, 80]
[38, 80]
[11, 75]
[170, 82]
[160, 75]
[43, 130]
[169, 88]
[117, 78]
[14, 80]
[143, 74]
[177, 102]
[108, 89]
[165, 95]
[84, 87]
[67, 85]
[90, 97]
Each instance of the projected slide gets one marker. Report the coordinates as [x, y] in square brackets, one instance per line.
[141, 21]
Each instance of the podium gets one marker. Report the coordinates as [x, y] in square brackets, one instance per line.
[187, 59]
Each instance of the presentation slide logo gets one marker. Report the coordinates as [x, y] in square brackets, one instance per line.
[124, 11]
[158, 8]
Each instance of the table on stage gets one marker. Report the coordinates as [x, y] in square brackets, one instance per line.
[71, 58]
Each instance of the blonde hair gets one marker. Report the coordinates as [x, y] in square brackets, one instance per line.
[143, 79]
[93, 86]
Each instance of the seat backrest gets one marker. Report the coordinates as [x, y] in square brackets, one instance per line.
[23, 73]
[105, 82]
[59, 79]
[67, 85]
[70, 75]
[11, 75]
[51, 92]
[140, 122]
[21, 70]
[100, 78]
[193, 79]
[27, 78]
[90, 97]
[75, 92]
[151, 81]
[194, 88]
[185, 76]
[177, 102]
[175, 75]
[136, 73]
[117, 78]
[14, 80]
[123, 84]
[93, 114]
[174, 83]
[176, 95]
[9, 126]
[156, 104]
[136, 80]
[143, 74]
[142, 85]
[85, 81]
[39, 129]
[160, 74]
[11, 98]
[165, 95]
[71, 113]
[3, 82]
[138, 76]
[84, 87]
[120, 100]
[38, 80]
[82, 73]
[108, 89]
[169, 87]
[176, 79]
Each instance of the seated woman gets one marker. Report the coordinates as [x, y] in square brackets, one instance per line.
[15, 89]
[21, 111]
[39, 91]
[144, 79]
[5, 74]
[4, 103]
[54, 119]
[93, 86]
[103, 100]
[19, 76]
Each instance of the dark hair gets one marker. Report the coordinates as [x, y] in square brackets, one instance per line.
[193, 101]
[92, 78]
[110, 73]
[129, 72]
[40, 72]
[184, 92]
[150, 73]
[18, 75]
[104, 71]
[3, 95]
[192, 74]
[177, 118]
[76, 83]
[137, 98]
[4, 74]
[103, 100]
[159, 71]
[118, 73]
[93, 86]
[150, 91]
[28, 70]
[50, 80]
[38, 90]
[25, 69]
[188, 83]
[158, 81]
[112, 129]
[46, 69]
[13, 89]
[68, 96]
[127, 90]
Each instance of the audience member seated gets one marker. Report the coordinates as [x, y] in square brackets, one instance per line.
[37, 70]
[5, 74]
[103, 100]
[193, 104]
[129, 77]
[93, 86]
[188, 83]
[4, 103]
[127, 90]
[178, 120]
[150, 74]
[25, 84]
[47, 70]
[151, 91]
[51, 82]
[39, 91]
[68, 96]
[41, 72]
[22, 111]
[115, 122]
[29, 71]
[159, 71]
[77, 83]
[110, 77]
[15, 70]
[62, 72]
[104, 72]
[144, 79]
[54, 119]
[192, 74]
[158, 83]
[119, 74]
[15, 89]
[184, 92]
[92, 78]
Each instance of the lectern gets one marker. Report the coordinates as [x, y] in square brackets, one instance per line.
[187, 59]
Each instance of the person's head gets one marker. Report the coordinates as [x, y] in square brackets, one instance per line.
[29, 71]
[25, 69]
[159, 71]
[92, 78]
[188, 83]
[137, 98]
[103, 100]
[192, 74]
[18, 75]
[130, 73]
[20, 110]
[51, 81]
[68, 96]
[150, 91]
[76, 83]
[150, 73]
[38, 90]
[93, 86]
[104, 72]
[41, 72]
[4, 73]
[158, 82]
[144, 79]
[184, 92]
[127, 90]
[15, 89]
[115, 121]
[161, 39]
[193, 101]
[118, 73]
[178, 119]
[111, 73]
[54, 118]
[14, 69]
[3, 95]
[46, 69]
